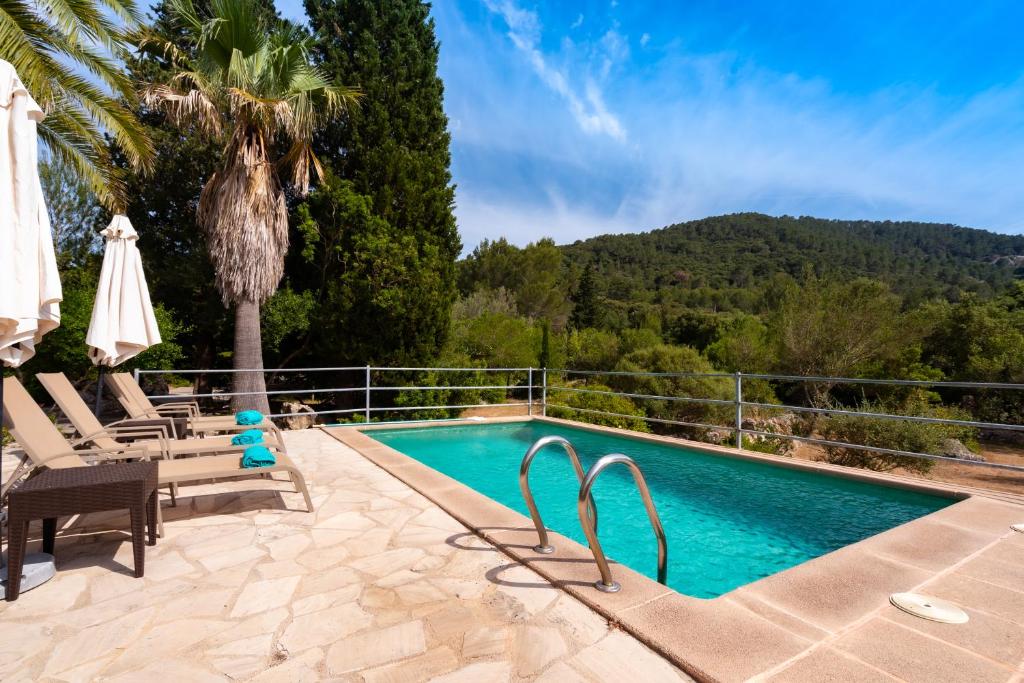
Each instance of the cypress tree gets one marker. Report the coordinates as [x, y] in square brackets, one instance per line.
[391, 155]
[585, 310]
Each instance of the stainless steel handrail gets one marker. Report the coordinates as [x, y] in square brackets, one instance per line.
[606, 584]
[543, 546]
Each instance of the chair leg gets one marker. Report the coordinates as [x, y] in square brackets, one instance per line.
[159, 520]
[300, 485]
[174, 495]
[138, 520]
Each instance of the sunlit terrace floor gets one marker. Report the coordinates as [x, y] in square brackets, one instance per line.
[378, 585]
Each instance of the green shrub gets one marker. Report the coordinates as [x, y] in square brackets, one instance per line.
[902, 435]
[562, 403]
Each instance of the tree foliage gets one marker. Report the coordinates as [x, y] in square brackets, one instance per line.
[67, 55]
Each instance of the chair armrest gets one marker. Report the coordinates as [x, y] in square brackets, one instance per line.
[165, 423]
[188, 409]
[137, 431]
[97, 454]
[86, 438]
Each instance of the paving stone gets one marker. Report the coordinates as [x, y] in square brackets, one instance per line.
[485, 642]
[261, 596]
[324, 627]
[432, 663]
[492, 672]
[535, 648]
[617, 657]
[372, 648]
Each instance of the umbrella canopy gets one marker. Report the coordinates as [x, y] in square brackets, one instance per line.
[123, 324]
[29, 305]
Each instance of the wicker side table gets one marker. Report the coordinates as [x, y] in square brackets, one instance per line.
[76, 490]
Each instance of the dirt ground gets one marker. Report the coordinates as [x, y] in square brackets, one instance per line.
[961, 474]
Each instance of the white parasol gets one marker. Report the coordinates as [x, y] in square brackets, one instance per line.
[123, 324]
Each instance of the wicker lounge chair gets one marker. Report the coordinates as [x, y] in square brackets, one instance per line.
[45, 446]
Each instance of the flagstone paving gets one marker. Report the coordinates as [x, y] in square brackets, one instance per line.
[378, 585]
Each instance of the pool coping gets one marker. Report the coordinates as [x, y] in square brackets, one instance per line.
[755, 629]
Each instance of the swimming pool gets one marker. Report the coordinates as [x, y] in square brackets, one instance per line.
[728, 521]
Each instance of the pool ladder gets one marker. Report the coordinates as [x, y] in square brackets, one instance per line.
[587, 510]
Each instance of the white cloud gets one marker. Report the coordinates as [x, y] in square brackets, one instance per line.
[644, 39]
[710, 134]
[578, 22]
[589, 110]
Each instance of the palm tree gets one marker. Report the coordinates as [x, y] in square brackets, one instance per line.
[63, 50]
[252, 86]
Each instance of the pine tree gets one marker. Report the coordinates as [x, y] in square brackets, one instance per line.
[392, 150]
[585, 310]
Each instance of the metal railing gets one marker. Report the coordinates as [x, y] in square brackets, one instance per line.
[584, 505]
[556, 384]
[543, 546]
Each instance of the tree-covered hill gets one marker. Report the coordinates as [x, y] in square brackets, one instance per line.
[725, 257]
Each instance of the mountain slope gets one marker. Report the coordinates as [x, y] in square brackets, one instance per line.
[742, 252]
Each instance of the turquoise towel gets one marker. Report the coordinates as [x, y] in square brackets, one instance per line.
[257, 456]
[249, 417]
[247, 438]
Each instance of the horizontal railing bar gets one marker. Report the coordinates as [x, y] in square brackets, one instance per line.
[643, 417]
[376, 369]
[890, 382]
[216, 371]
[487, 386]
[648, 374]
[689, 399]
[445, 407]
[319, 412]
[887, 416]
[276, 392]
[887, 451]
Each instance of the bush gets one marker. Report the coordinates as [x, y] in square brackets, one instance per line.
[567, 400]
[915, 437]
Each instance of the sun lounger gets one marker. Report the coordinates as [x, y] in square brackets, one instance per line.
[156, 441]
[138, 406]
[45, 446]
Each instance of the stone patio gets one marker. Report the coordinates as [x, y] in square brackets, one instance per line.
[378, 585]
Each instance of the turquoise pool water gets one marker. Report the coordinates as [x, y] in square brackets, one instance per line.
[728, 521]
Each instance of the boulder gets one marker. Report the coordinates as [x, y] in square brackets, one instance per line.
[953, 448]
[304, 417]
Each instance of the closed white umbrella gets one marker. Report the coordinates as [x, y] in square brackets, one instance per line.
[123, 324]
[30, 292]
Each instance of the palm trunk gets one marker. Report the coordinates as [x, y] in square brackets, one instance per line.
[249, 356]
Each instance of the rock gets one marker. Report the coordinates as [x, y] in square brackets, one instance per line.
[304, 415]
[780, 424]
[953, 448]
[715, 436]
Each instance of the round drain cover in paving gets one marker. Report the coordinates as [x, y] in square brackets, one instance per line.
[1018, 527]
[927, 607]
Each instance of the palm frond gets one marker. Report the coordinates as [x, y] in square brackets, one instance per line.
[55, 48]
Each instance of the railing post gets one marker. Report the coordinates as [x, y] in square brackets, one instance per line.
[135, 372]
[739, 410]
[529, 391]
[544, 393]
[367, 394]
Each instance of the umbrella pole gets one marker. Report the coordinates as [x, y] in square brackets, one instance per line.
[3, 513]
[99, 393]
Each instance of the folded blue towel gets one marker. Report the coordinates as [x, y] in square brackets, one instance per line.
[249, 417]
[247, 438]
[258, 456]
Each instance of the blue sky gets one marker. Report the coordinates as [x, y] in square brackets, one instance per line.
[575, 119]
